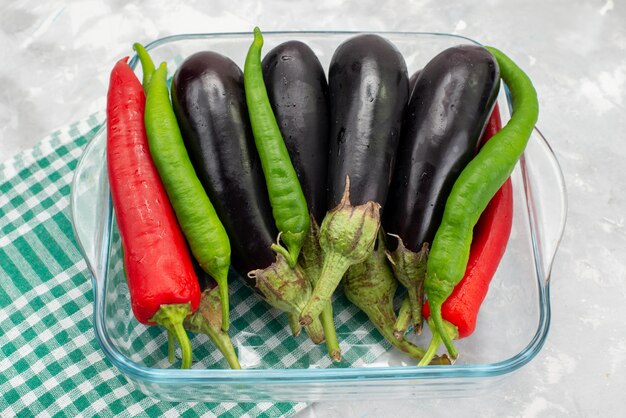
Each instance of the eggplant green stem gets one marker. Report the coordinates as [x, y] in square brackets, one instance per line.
[171, 317]
[347, 237]
[409, 268]
[294, 324]
[221, 340]
[416, 310]
[333, 269]
[310, 261]
[384, 325]
[315, 331]
[206, 320]
[404, 319]
[332, 344]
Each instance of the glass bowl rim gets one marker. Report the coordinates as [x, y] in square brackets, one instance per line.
[311, 375]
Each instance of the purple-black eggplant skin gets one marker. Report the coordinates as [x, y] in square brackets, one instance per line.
[298, 92]
[413, 82]
[210, 105]
[446, 115]
[369, 88]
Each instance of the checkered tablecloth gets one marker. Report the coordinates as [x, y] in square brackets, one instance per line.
[50, 362]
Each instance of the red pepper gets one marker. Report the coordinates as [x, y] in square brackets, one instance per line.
[491, 235]
[159, 271]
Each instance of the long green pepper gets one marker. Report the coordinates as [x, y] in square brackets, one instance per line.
[199, 222]
[289, 206]
[473, 190]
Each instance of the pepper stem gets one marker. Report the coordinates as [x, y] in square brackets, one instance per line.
[279, 249]
[440, 328]
[222, 284]
[404, 319]
[333, 269]
[171, 317]
[449, 329]
[206, 320]
[435, 342]
[293, 242]
[171, 347]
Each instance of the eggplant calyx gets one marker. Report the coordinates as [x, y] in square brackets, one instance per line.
[370, 285]
[409, 267]
[311, 261]
[347, 237]
[283, 287]
[207, 320]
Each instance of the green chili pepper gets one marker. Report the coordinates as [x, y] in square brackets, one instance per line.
[289, 206]
[200, 224]
[473, 190]
[146, 65]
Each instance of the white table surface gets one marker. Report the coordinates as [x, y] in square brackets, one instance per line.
[55, 58]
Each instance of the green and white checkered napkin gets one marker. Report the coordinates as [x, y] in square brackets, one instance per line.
[50, 362]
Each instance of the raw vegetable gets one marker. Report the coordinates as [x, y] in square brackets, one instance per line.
[368, 85]
[473, 190]
[197, 218]
[371, 286]
[404, 315]
[490, 237]
[147, 65]
[298, 93]
[289, 206]
[413, 81]
[207, 319]
[447, 112]
[209, 102]
[161, 280]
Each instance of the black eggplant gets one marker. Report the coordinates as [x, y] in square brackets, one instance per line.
[298, 93]
[210, 106]
[368, 86]
[448, 110]
[413, 81]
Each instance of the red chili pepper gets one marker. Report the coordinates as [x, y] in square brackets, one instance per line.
[160, 275]
[491, 235]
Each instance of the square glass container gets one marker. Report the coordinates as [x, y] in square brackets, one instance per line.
[512, 326]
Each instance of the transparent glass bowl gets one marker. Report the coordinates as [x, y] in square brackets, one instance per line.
[512, 326]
